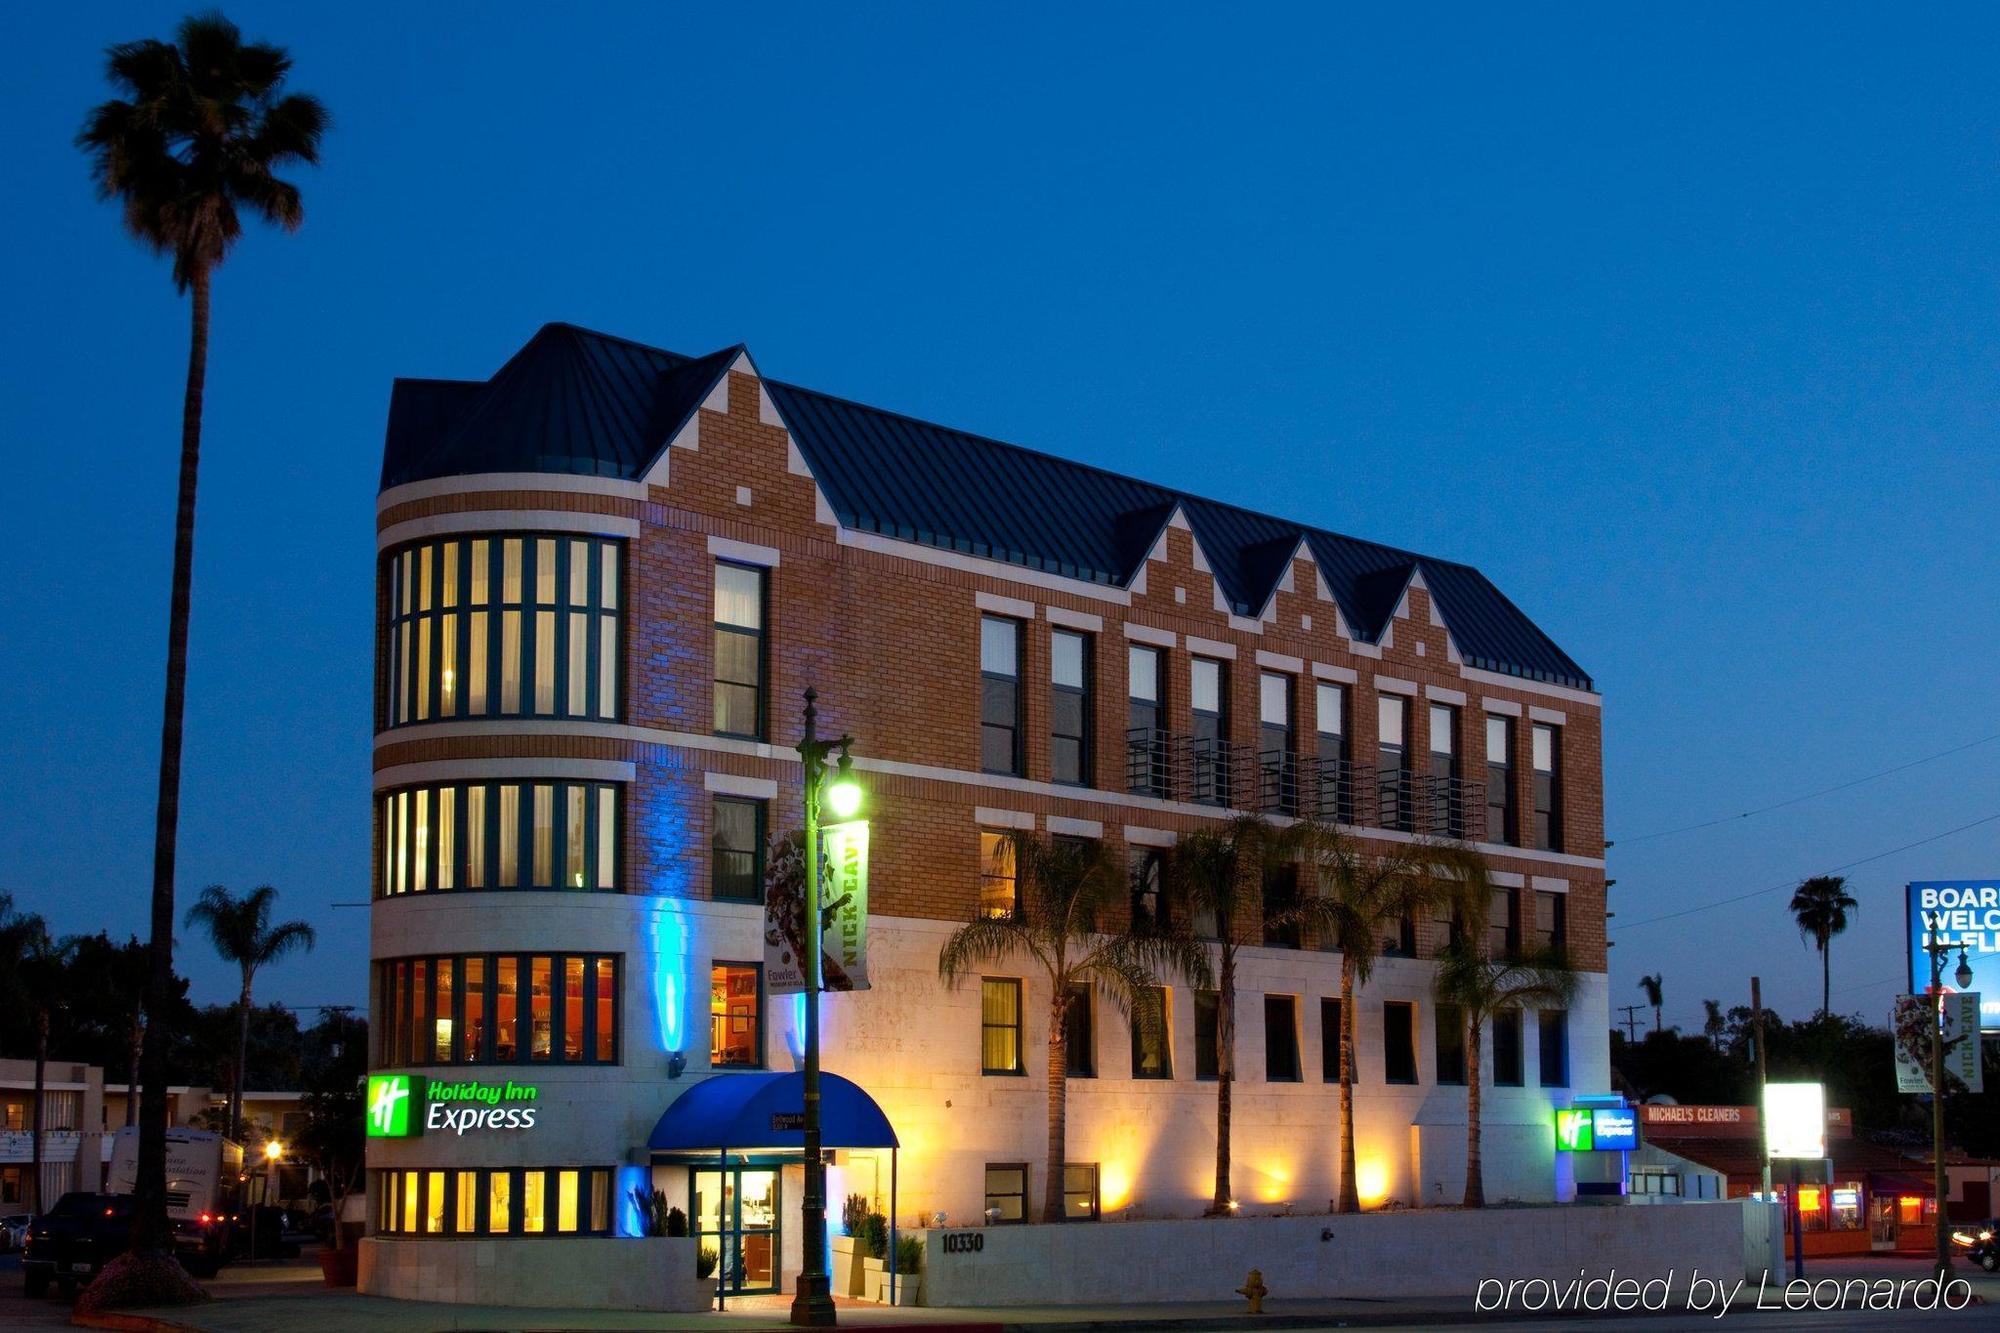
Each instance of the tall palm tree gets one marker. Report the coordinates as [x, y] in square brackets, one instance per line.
[1219, 875]
[1654, 988]
[1062, 889]
[1482, 987]
[242, 932]
[1820, 906]
[201, 128]
[1356, 896]
[43, 968]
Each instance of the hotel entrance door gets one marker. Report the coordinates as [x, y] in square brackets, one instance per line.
[736, 1215]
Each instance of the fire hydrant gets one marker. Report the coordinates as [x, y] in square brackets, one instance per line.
[1254, 1288]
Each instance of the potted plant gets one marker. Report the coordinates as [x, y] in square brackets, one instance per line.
[850, 1248]
[875, 1250]
[909, 1272]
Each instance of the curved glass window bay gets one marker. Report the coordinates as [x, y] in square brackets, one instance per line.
[498, 1009]
[525, 834]
[501, 626]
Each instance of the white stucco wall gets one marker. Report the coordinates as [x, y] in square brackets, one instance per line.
[595, 1272]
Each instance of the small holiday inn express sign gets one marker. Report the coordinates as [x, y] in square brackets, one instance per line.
[394, 1100]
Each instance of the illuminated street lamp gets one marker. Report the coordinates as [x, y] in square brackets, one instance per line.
[1936, 946]
[812, 1304]
[273, 1151]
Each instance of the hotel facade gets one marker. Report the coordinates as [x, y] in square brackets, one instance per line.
[606, 577]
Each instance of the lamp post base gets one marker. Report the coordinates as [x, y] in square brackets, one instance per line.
[812, 1303]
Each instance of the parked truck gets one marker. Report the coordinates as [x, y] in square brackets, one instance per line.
[204, 1193]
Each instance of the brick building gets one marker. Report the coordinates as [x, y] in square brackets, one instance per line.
[608, 573]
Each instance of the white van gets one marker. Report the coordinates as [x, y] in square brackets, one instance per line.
[204, 1191]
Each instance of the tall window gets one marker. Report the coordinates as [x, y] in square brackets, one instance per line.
[1006, 1193]
[737, 865]
[1450, 1022]
[556, 1201]
[1069, 708]
[1501, 821]
[1329, 1041]
[1146, 720]
[998, 889]
[1152, 1048]
[1281, 1039]
[1207, 1034]
[1208, 691]
[1000, 1025]
[1392, 761]
[1447, 813]
[1503, 926]
[498, 835]
[1080, 1191]
[1507, 1049]
[736, 1015]
[1554, 1048]
[1000, 695]
[1147, 868]
[501, 627]
[1336, 791]
[1079, 1034]
[1399, 1041]
[739, 650]
[1548, 787]
[1277, 764]
[1281, 898]
[497, 1009]
[1551, 920]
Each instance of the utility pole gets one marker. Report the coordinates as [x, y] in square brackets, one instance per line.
[1757, 1040]
[1631, 1021]
[1937, 948]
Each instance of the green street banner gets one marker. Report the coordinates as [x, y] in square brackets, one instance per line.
[1912, 1021]
[843, 885]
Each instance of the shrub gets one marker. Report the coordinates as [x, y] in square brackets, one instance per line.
[876, 1228]
[705, 1262]
[677, 1222]
[653, 1216]
[909, 1255]
[854, 1214]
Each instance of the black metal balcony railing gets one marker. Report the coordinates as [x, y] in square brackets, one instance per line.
[1170, 766]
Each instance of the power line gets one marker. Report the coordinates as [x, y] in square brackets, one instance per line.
[1809, 796]
[1791, 884]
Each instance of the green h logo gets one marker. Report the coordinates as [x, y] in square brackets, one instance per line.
[391, 1100]
[1573, 1132]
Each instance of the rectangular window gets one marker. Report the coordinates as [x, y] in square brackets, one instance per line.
[1281, 1039]
[1146, 868]
[499, 1203]
[1554, 1053]
[1070, 708]
[1548, 787]
[1281, 899]
[1551, 920]
[998, 889]
[507, 1011]
[1449, 1020]
[1207, 1034]
[1208, 695]
[1000, 1026]
[739, 650]
[1507, 1048]
[1146, 721]
[1447, 809]
[465, 1216]
[1334, 793]
[1501, 825]
[463, 1009]
[541, 1007]
[737, 867]
[1000, 695]
[1006, 1193]
[534, 1202]
[1399, 1042]
[1152, 1047]
[736, 1015]
[1329, 1041]
[1277, 762]
[575, 1007]
[1080, 1034]
[1080, 1191]
[1503, 928]
[437, 839]
[1392, 761]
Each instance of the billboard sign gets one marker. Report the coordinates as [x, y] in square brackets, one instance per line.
[1967, 914]
[843, 888]
[1795, 1119]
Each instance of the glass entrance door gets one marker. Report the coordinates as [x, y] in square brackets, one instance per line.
[736, 1215]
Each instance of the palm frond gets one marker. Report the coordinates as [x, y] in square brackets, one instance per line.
[986, 940]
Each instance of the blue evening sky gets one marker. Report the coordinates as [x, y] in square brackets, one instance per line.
[1679, 322]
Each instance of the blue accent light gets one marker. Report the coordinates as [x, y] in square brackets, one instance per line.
[670, 964]
[630, 1178]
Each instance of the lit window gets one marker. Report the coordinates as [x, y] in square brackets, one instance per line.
[464, 1009]
[1080, 1191]
[1000, 1025]
[446, 838]
[735, 1013]
[998, 887]
[1152, 1045]
[1006, 1193]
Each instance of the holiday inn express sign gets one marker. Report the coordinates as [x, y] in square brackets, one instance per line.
[402, 1106]
[1967, 913]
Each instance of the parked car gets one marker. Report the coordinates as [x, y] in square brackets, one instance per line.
[14, 1231]
[71, 1242]
[1979, 1243]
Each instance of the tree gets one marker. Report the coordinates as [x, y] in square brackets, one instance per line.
[1482, 987]
[334, 1068]
[1652, 985]
[1356, 897]
[242, 932]
[1062, 890]
[1820, 906]
[200, 130]
[36, 966]
[1714, 1025]
[1219, 876]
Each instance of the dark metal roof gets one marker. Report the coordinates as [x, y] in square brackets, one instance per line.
[574, 401]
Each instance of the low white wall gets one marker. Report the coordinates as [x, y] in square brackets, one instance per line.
[1384, 1255]
[598, 1272]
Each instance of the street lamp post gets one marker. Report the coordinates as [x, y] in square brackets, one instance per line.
[1937, 948]
[812, 1302]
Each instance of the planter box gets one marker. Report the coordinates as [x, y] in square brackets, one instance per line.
[849, 1277]
[339, 1268]
[909, 1286]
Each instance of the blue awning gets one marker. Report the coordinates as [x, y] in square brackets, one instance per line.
[766, 1110]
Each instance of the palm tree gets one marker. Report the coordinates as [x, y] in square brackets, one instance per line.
[1820, 906]
[1356, 896]
[1653, 987]
[1062, 889]
[1219, 876]
[1714, 1026]
[200, 130]
[1483, 987]
[43, 968]
[242, 932]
